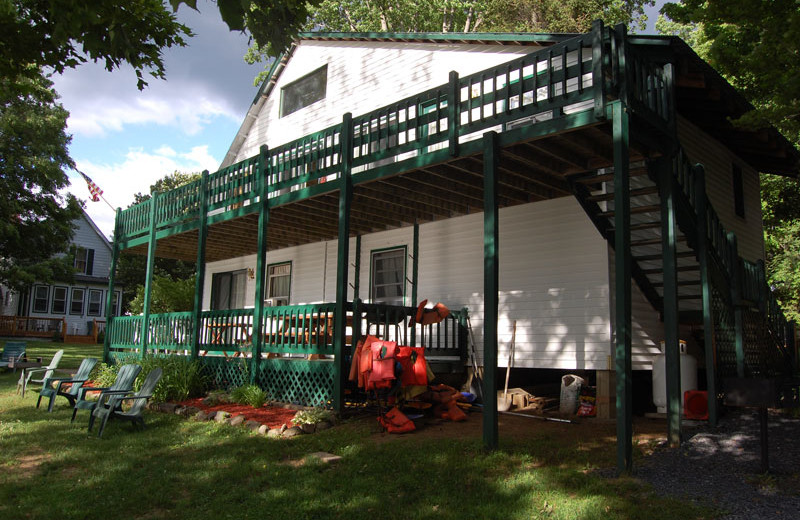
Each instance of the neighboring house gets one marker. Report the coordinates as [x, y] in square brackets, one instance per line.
[50, 307]
[562, 133]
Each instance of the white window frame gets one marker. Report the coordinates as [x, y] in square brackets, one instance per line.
[73, 301]
[376, 256]
[274, 272]
[37, 299]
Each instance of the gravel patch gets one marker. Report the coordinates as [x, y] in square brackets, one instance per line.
[720, 467]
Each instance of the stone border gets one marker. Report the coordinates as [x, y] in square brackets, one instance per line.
[223, 417]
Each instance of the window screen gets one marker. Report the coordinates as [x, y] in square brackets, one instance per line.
[388, 276]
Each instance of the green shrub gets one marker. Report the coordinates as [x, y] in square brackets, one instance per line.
[181, 379]
[104, 374]
[313, 416]
[249, 394]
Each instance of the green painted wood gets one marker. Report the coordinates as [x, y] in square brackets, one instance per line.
[148, 286]
[701, 232]
[491, 285]
[261, 261]
[453, 113]
[666, 188]
[112, 273]
[343, 262]
[414, 276]
[736, 300]
[622, 288]
[200, 277]
[357, 274]
[598, 69]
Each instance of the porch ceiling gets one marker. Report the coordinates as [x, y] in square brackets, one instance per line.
[529, 171]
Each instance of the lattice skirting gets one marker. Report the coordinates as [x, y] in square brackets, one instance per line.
[298, 381]
[724, 334]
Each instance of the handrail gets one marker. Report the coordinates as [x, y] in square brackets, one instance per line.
[568, 77]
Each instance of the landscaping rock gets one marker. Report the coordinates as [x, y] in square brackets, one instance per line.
[294, 407]
[237, 420]
[274, 433]
[308, 428]
[252, 425]
[167, 407]
[291, 432]
[189, 411]
[283, 428]
[178, 410]
[221, 416]
[263, 429]
[200, 416]
[324, 457]
[323, 425]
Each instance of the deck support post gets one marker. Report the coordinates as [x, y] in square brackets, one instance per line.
[200, 269]
[705, 285]
[490, 288]
[666, 188]
[261, 262]
[736, 301]
[343, 262]
[453, 112]
[414, 277]
[622, 289]
[148, 284]
[110, 310]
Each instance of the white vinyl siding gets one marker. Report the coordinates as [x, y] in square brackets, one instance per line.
[717, 161]
[553, 279]
[400, 68]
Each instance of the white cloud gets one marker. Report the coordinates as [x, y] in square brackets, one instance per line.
[135, 174]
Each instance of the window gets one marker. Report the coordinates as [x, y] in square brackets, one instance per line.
[303, 92]
[227, 290]
[59, 300]
[738, 191]
[388, 276]
[41, 295]
[279, 281]
[84, 260]
[76, 302]
[115, 303]
[95, 302]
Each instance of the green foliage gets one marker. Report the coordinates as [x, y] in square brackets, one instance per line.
[313, 416]
[755, 44]
[249, 394]
[780, 204]
[63, 34]
[167, 295]
[36, 220]
[181, 379]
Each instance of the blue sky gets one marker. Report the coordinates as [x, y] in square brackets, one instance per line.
[126, 140]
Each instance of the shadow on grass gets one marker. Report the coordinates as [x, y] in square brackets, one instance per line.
[184, 469]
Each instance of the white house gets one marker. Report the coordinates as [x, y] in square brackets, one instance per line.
[495, 173]
[64, 308]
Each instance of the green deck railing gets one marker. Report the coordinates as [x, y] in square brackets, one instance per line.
[569, 79]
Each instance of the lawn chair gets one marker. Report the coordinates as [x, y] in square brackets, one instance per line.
[122, 384]
[13, 352]
[26, 377]
[110, 404]
[76, 381]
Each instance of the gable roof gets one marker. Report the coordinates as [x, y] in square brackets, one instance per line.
[96, 229]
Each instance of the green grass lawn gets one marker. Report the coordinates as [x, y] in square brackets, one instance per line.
[178, 468]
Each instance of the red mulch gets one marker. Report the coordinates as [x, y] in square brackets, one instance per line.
[272, 416]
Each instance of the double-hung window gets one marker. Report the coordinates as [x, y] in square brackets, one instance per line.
[41, 295]
[76, 302]
[59, 300]
[279, 278]
[388, 268]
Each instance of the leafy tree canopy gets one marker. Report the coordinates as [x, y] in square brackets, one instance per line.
[35, 218]
[167, 295]
[755, 44]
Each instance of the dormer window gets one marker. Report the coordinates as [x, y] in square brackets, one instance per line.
[303, 92]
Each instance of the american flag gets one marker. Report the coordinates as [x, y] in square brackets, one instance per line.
[93, 189]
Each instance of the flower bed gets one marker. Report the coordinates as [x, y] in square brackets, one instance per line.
[272, 416]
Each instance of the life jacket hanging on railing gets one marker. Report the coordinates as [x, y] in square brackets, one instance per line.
[425, 316]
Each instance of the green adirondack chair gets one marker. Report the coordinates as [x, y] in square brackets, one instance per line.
[80, 377]
[123, 384]
[26, 378]
[110, 404]
[13, 352]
